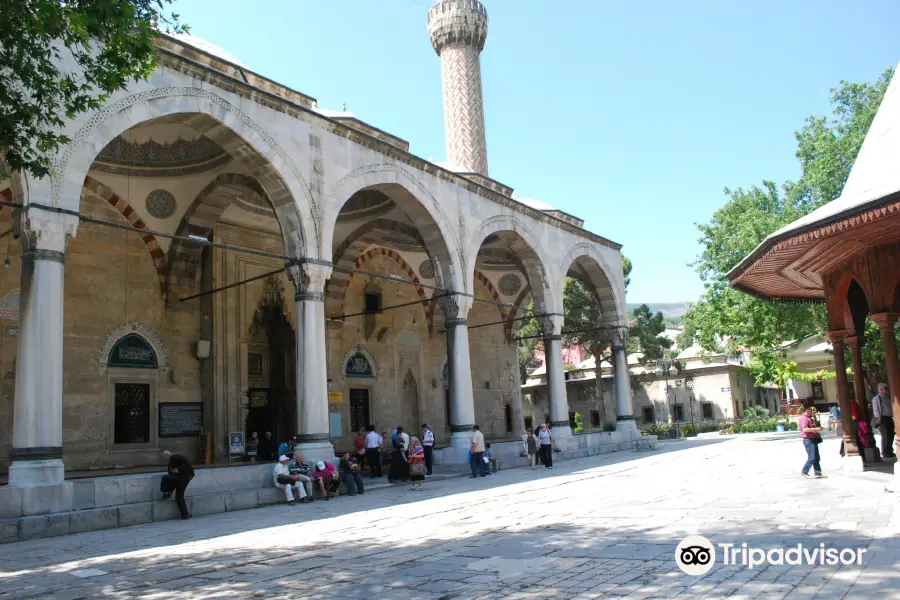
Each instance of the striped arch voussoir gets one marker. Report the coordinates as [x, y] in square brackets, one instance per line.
[368, 255]
[156, 253]
[495, 296]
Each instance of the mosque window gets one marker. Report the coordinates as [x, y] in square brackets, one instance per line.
[132, 352]
[509, 419]
[372, 297]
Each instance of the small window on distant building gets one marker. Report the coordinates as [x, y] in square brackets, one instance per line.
[678, 412]
[572, 420]
[529, 423]
[509, 418]
[649, 417]
[707, 410]
[818, 390]
[595, 418]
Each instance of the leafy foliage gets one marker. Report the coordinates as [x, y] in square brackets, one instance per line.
[725, 319]
[755, 413]
[579, 424]
[102, 43]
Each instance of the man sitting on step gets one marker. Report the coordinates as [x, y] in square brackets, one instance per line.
[289, 483]
[301, 471]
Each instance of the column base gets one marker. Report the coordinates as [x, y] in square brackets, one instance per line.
[27, 473]
[461, 440]
[313, 452]
[627, 424]
[894, 484]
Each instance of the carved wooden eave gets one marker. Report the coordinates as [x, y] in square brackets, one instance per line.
[792, 266]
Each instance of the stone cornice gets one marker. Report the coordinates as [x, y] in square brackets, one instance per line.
[171, 59]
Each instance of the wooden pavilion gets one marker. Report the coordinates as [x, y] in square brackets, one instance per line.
[847, 254]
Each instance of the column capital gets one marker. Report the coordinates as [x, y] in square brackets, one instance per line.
[836, 336]
[309, 280]
[885, 320]
[551, 325]
[44, 234]
[456, 308]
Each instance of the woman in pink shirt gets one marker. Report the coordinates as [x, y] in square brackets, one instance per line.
[809, 431]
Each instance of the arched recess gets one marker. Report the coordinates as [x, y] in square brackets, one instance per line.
[586, 263]
[352, 249]
[127, 329]
[495, 296]
[334, 303]
[857, 307]
[200, 219]
[92, 186]
[435, 228]
[524, 255]
[216, 118]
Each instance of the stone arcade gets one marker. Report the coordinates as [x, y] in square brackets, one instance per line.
[154, 298]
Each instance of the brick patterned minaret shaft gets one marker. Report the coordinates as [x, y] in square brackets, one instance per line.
[458, 30]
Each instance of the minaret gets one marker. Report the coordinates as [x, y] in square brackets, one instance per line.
[458, 30]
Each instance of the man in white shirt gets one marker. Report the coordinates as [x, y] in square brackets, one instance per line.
[884, 419]
[287, 482]
[373, 452]
[428, 446]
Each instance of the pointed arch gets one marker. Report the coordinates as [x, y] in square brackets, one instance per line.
[102, 191]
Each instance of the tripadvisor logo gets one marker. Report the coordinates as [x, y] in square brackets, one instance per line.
[696, 555]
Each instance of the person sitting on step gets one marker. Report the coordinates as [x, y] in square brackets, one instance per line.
[350, 475]
[301, 471]
[289, 483]
[326, 475]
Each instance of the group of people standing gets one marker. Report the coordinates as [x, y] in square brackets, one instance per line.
[411, 459]
[539, 445]
[882, 413]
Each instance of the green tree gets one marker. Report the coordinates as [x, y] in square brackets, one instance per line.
[103, 44]
[725, 319]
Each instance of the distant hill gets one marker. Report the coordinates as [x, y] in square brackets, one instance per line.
[671, 310]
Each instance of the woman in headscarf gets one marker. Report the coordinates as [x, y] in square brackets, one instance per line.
[417, 468]
[399, 467]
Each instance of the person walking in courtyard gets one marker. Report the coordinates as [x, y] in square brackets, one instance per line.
[477, 448]
[373, 452]
[531, 446]
[811, 435]
[359, 448]
[428, 446]
[835, 417]
[545, 436]
[179, 475]
[417, 468]
[884, 419]
[287, 482]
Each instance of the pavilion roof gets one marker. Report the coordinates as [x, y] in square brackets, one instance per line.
[789, 262]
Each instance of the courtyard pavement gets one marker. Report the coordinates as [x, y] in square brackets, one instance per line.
[600, 527]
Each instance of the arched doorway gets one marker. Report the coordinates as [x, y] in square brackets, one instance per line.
[272, 394]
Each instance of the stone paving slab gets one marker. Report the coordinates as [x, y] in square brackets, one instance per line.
[599, 527]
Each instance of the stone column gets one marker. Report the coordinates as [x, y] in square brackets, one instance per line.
[843, 391]
[886, 322]
[312, 376]
[459, 371]
[556, 377]
[859, 384]
[37, 419]
[624, 409]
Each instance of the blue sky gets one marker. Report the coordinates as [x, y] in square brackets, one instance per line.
[631, 115]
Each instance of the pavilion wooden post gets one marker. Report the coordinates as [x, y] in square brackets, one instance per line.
[843, 392]
[859, 383]
[885, 322]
